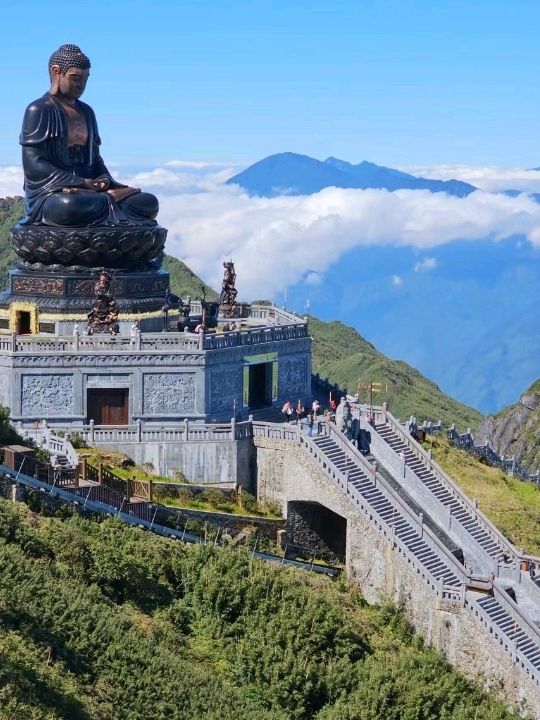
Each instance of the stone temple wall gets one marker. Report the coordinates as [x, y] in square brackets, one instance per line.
[286, 474]
[163, 385]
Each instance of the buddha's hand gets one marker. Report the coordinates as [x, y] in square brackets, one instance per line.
[99, 185]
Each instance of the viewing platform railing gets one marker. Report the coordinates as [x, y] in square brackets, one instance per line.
[164, 342]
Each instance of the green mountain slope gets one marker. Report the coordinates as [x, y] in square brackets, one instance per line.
[11, 210]
[515, 431]
[184, 281]
[101, 621]
[341, 354]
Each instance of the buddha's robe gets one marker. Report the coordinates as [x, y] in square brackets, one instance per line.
[51, 164]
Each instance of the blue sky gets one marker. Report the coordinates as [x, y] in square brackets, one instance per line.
[397, 82]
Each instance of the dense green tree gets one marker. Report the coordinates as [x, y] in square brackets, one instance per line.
[102, 621]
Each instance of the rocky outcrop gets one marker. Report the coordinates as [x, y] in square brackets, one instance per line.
[515, 431]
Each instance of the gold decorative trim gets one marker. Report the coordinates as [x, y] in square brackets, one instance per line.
[18, 307]
[78, 317]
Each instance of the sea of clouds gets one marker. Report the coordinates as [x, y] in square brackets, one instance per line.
[278, 242]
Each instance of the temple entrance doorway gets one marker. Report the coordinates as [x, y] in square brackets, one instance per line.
[108, 407]
[260, 385]
[23, 322]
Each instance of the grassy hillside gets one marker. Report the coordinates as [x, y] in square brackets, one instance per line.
[512, 505]
[10, 212]
[341, 354]
[184, 281]
[105, 622]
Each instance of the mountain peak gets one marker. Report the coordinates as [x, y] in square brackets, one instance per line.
[289, 173]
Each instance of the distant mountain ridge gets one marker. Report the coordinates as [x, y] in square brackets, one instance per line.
[293, 174]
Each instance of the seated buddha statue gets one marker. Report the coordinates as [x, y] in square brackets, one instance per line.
[66, 181]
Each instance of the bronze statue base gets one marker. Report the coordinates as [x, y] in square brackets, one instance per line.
[67, 293]
[44, 247]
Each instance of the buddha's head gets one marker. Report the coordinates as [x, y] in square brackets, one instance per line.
[68, 69]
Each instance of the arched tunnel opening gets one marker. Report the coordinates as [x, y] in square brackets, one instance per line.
[314, 530]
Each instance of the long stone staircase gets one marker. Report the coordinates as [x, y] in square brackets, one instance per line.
[370, 486]
[511, 630]
[505, 622]
[494, 549]
[358, 481]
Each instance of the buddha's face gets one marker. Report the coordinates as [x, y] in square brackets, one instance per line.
[71, 84]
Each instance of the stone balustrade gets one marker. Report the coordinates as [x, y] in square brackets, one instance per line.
[150, 342]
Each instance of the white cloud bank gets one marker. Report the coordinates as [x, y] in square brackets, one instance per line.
[276, 242]
[489, 178]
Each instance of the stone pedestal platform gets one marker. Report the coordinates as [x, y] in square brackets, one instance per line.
[56, 300]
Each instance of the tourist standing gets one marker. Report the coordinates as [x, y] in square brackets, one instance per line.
[287, 411]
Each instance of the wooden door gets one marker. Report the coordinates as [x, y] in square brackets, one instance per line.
[108, 407]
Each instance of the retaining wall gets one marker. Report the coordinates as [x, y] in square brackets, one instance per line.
[210, 461]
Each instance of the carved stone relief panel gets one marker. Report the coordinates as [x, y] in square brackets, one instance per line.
[165, 393]
[47, 395]
[292, 377]
[5, 385]
[225, 388]
[41, 286]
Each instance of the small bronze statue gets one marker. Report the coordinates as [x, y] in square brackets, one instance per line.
[185, 310]
[227, 299]
[103, 317]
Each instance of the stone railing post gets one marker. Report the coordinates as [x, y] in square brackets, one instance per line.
[186, 429]
[138, 424]
[384, 410]
[138, 340]
[201, 340]
[233, 428]
[13, 342]
[91, 431]
[76, 338]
